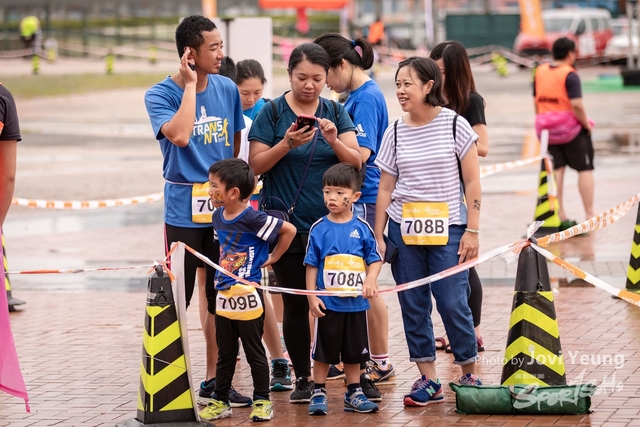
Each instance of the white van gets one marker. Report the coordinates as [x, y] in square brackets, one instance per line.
[590, 28]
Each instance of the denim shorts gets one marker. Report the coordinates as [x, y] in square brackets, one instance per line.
[415, 262]
[366, 211]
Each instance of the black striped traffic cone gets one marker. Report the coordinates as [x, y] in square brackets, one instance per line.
[633, 273]
[533, 354]
[12, 302]
[165, 395]
[547, 209]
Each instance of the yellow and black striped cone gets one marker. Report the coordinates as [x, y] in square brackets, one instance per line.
[547, 209]
[165, 395]
[12, 302]
[533, 354]
[633, 273]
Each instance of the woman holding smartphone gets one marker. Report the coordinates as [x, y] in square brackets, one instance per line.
[293, 160]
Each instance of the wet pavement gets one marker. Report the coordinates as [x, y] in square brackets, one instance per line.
[79, 336]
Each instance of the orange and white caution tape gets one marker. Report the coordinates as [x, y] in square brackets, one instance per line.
[98, 204]
[410, 285]
[592, 224]
[499, 167]
[630, 297]
[82, 270]
[501, 251]
[166, 264]
[86, 204]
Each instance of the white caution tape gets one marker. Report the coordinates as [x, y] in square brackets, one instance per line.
[503, 250]
[630, 297]
[499, 167]
[86, 204]
[99, 204]
[599, 221]
[81, 270]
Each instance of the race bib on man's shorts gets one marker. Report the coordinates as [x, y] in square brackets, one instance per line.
[201, 205]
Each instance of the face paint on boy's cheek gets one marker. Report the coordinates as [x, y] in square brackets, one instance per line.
[345, 202]
[217, 197]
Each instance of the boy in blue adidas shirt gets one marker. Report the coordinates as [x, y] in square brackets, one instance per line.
[341, 246]
[244, 235]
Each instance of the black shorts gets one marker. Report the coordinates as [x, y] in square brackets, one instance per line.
[577, 154]
[200, 239]
[341, 337]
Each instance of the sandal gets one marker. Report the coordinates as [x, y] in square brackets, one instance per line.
[442, 341]
[479, 340]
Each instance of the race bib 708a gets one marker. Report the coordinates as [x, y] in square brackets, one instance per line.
[343, 273]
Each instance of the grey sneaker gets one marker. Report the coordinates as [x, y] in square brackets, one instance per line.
[358, 402]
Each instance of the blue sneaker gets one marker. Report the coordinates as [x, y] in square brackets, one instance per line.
[205, 392]
[236, 400]
[208, 389]
[318, 404]
[424, 392]
[470, 379]
[280, 375]
[356, 401]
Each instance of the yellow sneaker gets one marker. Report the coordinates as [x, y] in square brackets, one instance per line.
[215, 410]
[262, 411]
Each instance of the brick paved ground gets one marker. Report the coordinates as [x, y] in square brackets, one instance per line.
[80, 355]
[79, 336]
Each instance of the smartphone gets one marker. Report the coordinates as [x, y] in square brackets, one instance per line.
[192, 66]
[305, 120]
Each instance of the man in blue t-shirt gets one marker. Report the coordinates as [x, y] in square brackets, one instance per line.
[244, 235]
[196, 116]
[342, 255]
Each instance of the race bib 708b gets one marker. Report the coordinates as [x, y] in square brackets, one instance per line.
[425, 223]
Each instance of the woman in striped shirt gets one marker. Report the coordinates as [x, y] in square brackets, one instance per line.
[423, 157]
[463, 98]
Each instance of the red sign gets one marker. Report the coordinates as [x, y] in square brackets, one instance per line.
[298, 4]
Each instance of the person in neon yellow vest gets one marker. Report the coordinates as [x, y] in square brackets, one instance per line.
[30, 33]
